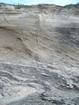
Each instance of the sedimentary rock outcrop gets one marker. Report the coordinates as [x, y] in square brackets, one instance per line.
[39, 55]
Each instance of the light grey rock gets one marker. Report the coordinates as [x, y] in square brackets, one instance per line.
[39, 55]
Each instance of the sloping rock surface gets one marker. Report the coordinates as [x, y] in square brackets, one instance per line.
[39, 55]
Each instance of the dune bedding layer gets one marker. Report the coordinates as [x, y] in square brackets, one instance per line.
[39, 55]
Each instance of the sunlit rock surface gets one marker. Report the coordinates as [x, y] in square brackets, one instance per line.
[39, 55]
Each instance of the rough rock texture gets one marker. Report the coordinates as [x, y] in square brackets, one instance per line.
[39, 55]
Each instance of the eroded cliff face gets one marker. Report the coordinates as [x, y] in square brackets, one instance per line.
[39, 55]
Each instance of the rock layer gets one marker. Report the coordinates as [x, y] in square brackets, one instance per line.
[39, 55]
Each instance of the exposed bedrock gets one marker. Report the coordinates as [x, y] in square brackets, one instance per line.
[39, 55]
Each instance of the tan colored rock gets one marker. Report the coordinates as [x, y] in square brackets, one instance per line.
[39, 53]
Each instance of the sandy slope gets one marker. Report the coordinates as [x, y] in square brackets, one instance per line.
[39, 55]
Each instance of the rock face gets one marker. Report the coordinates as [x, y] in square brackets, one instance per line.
[39, 55]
